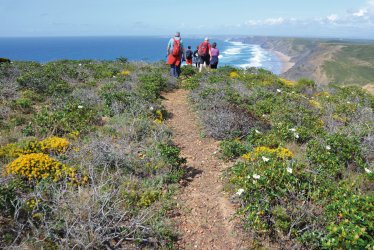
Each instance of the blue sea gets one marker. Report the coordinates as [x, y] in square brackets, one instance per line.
[151, 49]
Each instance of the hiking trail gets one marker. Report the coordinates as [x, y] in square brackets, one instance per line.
[205, 215]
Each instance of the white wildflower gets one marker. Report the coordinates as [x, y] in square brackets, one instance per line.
[368, 171]
[349, 102]
[289, 170]
[80, 64]
[256, 176]
[114, 76]
[265, 159]
[80, 106]
[296, 135]
[240, 191]
[151, 108]
[292, 129]
[257, 132]
[328, 147]
[279, 91]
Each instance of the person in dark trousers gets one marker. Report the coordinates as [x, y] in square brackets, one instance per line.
[175, 51]
[214, 53]
[204, 54]
[189, 55]
[196, 57]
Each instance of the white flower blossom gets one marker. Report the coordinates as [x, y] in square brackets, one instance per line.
[240, 191]
[80, 64]
[279, 91]
[151, 108]
[292, 129]
[265, 159]
[289, 170]
[80, 106]
[114, 76]
[368, 171]
[256, 176]
[257, 132]
[349, 102]
[296, 135]
[328, 147]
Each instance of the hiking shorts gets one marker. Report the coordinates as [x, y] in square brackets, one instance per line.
[205, 59]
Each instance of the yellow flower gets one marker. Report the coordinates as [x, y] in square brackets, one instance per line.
[234, 74]
[125, 72]
[54, 144]
[286, 82]
[315, 104]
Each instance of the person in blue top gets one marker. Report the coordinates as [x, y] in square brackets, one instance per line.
[175, 51]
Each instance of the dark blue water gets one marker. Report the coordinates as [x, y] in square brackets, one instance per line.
[151, 49]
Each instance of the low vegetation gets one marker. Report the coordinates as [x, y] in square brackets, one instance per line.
[352, 64]
[86, 160]
[302, 155]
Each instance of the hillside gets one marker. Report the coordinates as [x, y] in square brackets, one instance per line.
[349, 62]
[118, 155]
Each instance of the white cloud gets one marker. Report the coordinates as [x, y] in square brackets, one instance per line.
[268, 21]
[274, 21]
[332, 18]
[360, 13]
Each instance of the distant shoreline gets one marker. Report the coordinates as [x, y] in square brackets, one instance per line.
[285, 59]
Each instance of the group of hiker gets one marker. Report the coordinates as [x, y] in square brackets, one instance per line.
[205, 55]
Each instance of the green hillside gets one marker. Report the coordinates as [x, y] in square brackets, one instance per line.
[353, 64]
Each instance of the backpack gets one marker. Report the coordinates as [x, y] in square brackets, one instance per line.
[176, 47]
[189, 54]
[203, 49]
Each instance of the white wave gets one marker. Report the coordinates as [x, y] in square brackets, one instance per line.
[239, 44]
[232, 51]
[258, 56]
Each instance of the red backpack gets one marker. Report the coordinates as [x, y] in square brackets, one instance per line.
[203, 49]
[176, 47]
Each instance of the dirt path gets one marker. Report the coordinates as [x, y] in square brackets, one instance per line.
[206, 214]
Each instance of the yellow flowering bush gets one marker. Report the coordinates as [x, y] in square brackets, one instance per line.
[315, 104]
[257, 152]
[286, 82]
[125, 73]
[10, 150]
[234, 74]
[54, 144]
[38, 166]
[159, 117]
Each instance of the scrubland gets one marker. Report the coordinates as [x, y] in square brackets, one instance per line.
[302, 155]
[86, 160]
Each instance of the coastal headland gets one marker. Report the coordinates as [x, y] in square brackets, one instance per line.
[344, 62]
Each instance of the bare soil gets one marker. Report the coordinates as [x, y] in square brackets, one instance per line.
[205, 217]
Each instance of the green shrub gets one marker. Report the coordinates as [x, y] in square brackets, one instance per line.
[150, 86]
[332, 154]
[231, 149]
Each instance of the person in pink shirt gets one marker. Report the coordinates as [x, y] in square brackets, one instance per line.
[214, 53]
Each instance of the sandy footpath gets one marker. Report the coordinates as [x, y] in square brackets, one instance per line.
[206, 217]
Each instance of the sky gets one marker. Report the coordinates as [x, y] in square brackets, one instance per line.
[301, 18]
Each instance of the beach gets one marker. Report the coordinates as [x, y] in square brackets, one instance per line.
[285, 59]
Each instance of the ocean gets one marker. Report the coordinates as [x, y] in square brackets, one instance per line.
[150, 49]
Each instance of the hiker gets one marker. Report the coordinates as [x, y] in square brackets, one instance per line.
[196, 57]
[189, 55]
[204, 54]
[174, 52]
[214, 53]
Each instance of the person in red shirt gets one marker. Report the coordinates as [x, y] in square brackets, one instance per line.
[204, 54]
